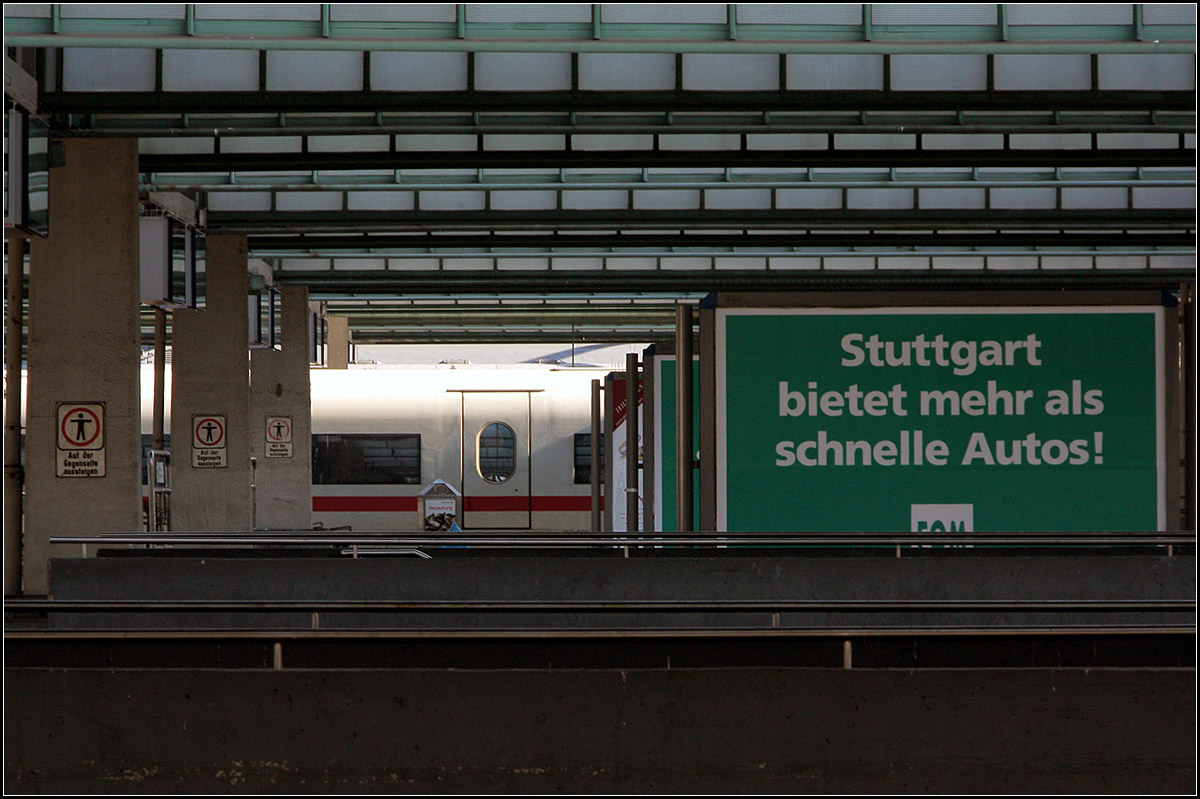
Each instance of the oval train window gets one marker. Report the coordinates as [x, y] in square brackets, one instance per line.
[496, 452]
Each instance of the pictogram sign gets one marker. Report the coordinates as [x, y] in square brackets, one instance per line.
[209, 442]
[80, 440]
[279, 436]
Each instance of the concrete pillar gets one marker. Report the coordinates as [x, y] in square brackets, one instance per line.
[14, 471]
[84, 342]
[281, 408]
[337, 342]
[210, 386]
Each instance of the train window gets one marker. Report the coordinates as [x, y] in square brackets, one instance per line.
[366, 459]
[583, 459]
[496, 452]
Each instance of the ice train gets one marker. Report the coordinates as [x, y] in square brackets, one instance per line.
[514, 439]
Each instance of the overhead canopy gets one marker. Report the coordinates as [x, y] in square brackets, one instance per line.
[611, 156]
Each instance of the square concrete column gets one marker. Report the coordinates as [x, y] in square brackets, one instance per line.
[337, 342]
[281, 422]
[210, 399]
[83, 472]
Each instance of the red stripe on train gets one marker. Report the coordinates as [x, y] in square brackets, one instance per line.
[476, 504]
[365, 504]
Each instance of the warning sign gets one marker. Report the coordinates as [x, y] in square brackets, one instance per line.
[209, 442]
[80, 450]
[279, 436]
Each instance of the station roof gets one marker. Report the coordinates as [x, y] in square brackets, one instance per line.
[474, 171]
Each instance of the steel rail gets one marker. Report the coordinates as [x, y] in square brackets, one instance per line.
[665, 632]
[650, 541]
[600, 605]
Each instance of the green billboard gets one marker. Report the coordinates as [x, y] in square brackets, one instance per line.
[940, 419]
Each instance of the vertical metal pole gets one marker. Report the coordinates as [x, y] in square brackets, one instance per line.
[594, 469]
[14, 474]
[683, 419]
[160, 378]
[1188, 297]
[632, 444]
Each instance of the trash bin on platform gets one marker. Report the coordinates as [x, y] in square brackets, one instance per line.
[439, 505]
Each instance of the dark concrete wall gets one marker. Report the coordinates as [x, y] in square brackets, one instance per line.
[682, 730]
[983, 577]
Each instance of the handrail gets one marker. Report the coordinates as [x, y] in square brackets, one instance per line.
[603, 605]
[534, 539]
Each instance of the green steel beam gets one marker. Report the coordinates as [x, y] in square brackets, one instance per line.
[1178, 157]
[345, 222]
[567, 124]
[690, 281]
[747, 242]
[614, 102]
[582, 180]
[191, 33]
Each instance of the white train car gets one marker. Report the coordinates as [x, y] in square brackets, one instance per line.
[515, 440]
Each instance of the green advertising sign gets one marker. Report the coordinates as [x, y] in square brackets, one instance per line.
[940, 420]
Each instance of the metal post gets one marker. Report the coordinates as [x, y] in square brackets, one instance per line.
[594, 468]
[632, 444]
[14, 474]
[1188, 307]
[254, 493]
[683, 419]
[160, 377]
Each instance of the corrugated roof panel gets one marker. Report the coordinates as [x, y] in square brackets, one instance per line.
[1043, 72]
[831, 72]
[939, 72]
[210, 70]
[306, 12]
[119, 11]
[529, 12]
[800, 13]
[934, 14]
[733, 72]
[308, 201]
[392, 12]
[1169, 14]
[666, 199]
[239, 201]
[306, 70]
[92, 69]
[676, 13]
[27, 10]
[1070, 14]
[1134, 71]
[380, 200]
[626, 71]
[522, 72]
[421, 71]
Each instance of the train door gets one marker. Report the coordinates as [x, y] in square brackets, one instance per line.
[496, 474]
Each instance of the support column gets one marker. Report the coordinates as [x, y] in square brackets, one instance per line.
[210, 380]
[14, 472]
[281, 408]
[684, 464]
[84, 343]
[337, 342]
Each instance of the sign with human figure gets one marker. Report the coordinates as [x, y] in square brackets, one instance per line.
[209, 442]
[80, 448]
[279, 436]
